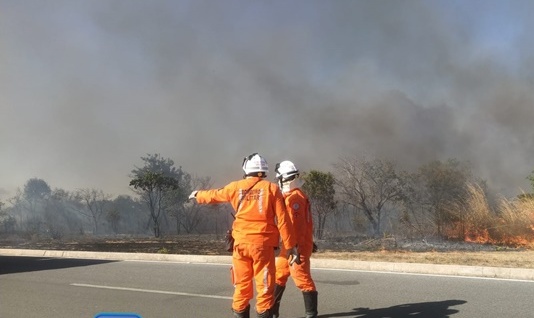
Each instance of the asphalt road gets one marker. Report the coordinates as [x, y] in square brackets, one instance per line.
[63, 287]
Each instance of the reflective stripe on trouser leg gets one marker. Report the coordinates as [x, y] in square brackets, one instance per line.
[264, 269]
[242, 278]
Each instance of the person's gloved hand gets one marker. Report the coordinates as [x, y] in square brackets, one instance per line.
[193, 195]
[314, 249]
[294, 256]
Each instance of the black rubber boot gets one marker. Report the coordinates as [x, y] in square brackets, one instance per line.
[278, 292]
[265, 314]
[310, 303]
[242, 314]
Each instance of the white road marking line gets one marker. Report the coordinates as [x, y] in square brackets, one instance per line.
[526, 280]
[176, 262]
[151, 291]
[425, 274]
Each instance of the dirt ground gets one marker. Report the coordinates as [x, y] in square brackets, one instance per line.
[183, 244]
[383, 250]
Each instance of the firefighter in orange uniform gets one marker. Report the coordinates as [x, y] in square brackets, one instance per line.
[260, 220]
[299, 210]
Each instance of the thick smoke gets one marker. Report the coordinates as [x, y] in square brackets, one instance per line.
[87, 88]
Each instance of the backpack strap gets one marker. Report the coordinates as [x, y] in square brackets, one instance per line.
[242, 197]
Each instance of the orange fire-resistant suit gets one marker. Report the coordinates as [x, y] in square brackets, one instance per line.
[299, 211]
[256, 234]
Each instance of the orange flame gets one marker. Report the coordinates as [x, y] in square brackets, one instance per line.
[500, 235]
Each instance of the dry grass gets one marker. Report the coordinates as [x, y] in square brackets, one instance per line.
[504, 238]
[511, 223]
[452, 253]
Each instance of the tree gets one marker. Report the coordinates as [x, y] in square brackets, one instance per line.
[153, 182]
[531, 179]
[370, 186]
[445, 185]
[132, 215]
[113, 217]
[319, 187]
[30, 204]
[7, 222]
[35, 191]
[95, 201]
[63, 213]
[187, 216]
[414, 217]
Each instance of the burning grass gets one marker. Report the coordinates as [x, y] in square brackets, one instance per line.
[386, 249]
[511, 223]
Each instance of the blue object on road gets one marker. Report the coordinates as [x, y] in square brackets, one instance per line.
[117, 315]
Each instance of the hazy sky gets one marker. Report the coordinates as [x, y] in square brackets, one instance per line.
[88, 87]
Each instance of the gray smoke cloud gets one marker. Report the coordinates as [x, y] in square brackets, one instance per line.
[88, 87]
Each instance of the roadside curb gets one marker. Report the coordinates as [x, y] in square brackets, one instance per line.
[317, 263]
[429, 269]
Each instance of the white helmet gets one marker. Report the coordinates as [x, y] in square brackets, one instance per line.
[286, 170]
[255, 165]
